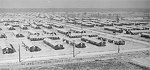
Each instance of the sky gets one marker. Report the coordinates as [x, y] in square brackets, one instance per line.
[74, 3]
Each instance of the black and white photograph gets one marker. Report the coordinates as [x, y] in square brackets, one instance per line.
[74, 34]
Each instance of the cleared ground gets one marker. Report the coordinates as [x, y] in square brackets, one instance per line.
[90, 65]
[47, 51]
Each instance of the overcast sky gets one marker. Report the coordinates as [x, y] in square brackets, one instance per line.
[74, 3]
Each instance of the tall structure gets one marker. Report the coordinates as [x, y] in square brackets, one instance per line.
[117, 18]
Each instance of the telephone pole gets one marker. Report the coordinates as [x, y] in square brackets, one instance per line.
[117, 18]
[19, 54]
[73, 49]
[118, 49]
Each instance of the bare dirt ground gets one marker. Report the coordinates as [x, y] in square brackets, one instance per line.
[99, 62]
[91, 65]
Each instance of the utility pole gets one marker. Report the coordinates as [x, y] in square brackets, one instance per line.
[117, 18]
[81, 30]
[19, 54]
[118, 49]
[73, 49]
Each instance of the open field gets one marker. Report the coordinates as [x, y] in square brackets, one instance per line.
[83, 62]
[91, 65]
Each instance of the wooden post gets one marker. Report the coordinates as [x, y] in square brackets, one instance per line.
[81, 29]
[73, 50]
[19, 54]
[118, 49]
